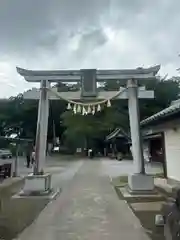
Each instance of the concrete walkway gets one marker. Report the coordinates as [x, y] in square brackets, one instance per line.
[88, 208]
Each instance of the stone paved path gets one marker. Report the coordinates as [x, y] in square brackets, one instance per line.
[87, 209]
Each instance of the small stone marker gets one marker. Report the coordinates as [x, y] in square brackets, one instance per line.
[159, 220]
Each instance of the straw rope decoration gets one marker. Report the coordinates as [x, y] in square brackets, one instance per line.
[86, 108]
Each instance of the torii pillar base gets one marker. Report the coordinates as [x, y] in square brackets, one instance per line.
[140, 184]
[38, 186]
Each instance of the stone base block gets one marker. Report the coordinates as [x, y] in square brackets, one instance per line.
[129, 194]
[32, 195]
[37, 184]
[140, 182]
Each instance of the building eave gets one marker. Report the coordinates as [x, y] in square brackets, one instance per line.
[152, 136]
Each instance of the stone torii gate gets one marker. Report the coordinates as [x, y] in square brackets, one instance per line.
[89, 79]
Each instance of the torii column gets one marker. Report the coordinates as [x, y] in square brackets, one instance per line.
[134, 120]
[138, 181]
[42, 128]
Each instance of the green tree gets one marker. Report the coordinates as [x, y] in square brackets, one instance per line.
[165, 91]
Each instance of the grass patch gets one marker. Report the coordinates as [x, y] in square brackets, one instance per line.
[145, 199]
[158, 175]
[16, 214]
[120, 196]
[120, 181]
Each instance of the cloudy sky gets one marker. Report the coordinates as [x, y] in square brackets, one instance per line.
[74, 34]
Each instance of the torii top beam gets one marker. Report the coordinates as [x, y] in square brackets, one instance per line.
[101, 75]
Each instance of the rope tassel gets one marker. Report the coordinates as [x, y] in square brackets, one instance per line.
[94, 110]
[108, 103]
[89, 109]
[74, 109]
[79, 109]
[99, 108]
[83, 111]
[69, 106]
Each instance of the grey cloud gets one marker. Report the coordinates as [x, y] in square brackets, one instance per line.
[48, 41]
[154, 24]
[21, 23]
[89, 41]
[24, 23]
[30, 26]
[40, 31]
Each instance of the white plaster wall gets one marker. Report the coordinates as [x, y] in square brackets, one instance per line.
[172, 148]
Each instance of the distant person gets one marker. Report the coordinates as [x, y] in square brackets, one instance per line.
[115, 152]
[90, 153]
[146, 154]
[28, 158]
[33, 156]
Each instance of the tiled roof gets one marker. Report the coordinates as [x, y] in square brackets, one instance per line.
[174, 108]
[118, 132]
